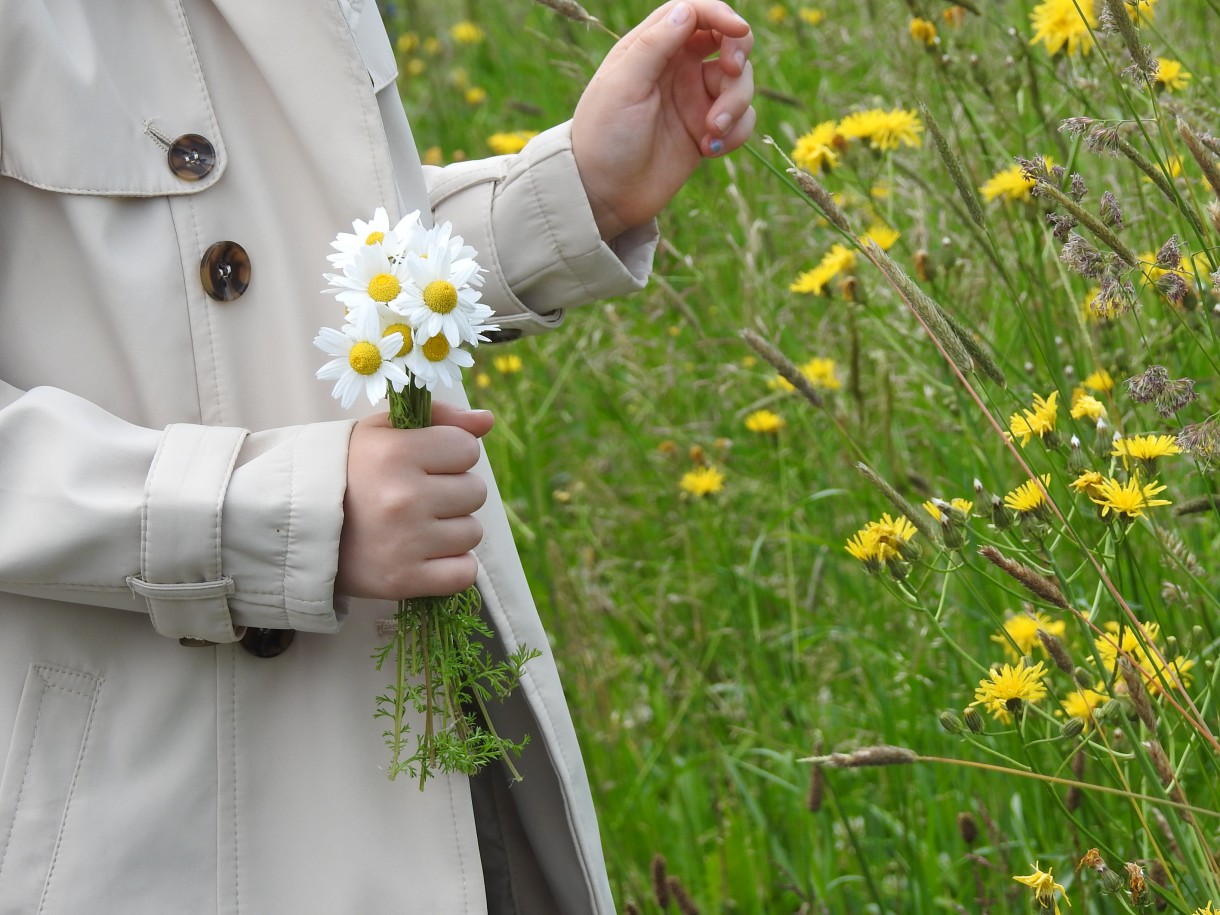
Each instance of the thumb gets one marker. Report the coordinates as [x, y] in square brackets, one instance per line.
[477, 422]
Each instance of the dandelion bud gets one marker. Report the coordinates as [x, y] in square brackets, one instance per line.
[1198, 637]
[1111, 882]
[1110, 710]
[973, 720]
[1093, 859]
[1000, 516]
[899, 570]
[1083, 678]
[923, 265]
[951, 723]
[967, 827]
[1078, 463]
[981, 495]
[1072, 728]
[848, 288]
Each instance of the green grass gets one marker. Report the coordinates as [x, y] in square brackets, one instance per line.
[706, 645]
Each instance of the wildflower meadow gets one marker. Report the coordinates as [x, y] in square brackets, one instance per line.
[877, 537]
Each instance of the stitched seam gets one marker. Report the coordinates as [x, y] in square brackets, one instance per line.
[233, 757]
[457, 842]
[63, 823]
[202, 298]
[292, 505]
[25, 777]
[199, 81]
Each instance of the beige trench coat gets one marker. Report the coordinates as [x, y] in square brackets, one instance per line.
[152, 437]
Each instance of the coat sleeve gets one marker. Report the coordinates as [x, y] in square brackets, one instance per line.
[528, 217]
[205, 528]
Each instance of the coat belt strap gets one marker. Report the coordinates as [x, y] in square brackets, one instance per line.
[181, 575]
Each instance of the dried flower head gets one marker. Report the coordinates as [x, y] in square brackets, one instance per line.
[1201, 441]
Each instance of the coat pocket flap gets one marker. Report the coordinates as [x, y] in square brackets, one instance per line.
[92, 101]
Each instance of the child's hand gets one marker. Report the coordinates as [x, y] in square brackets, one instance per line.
[658, 105]
[408, 529]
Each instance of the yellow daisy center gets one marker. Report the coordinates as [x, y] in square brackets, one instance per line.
[384, 287]
[441, 296]
[407, 343]
[365, 358]
[436, 349]
[374, 238]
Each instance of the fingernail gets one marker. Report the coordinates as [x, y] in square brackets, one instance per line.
[716, 146]
[679, 14]
[480, 412]
[740, 59]
[722, 121]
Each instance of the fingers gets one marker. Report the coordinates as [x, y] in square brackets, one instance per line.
[477, 422]
[695, 26]
[726, 115]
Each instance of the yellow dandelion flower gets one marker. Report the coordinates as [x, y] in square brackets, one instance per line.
[482, 380]
[811, 15]
[407, 43]
[1039, 421]
[884, 130]
[1006, 687]
[1171, 74]
[954, 15]
[432, 45]
[839, 259]
[865, 545]
[1127, 499]
[821, 374]
[1122, 640]
[891, 534]
[963, 504]
[1027, 497]
[432, 156]
[1088, 483]
[1086, 405]
[778, 13]
[882, 235]
[780, 383]
[1007, 184]
[1101, 381]
[508, 365]
[1206, 910]
[1064, 22]
[466, 33]
[475, 95]
[818, 149]
[1021, 630]
[503, 144]
[1081, 703]
[416, 67]
[702, 481]
[1145, 448]
[923, 30]
[765, 422]
[1044, 887]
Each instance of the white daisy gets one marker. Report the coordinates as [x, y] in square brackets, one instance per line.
[443, 296]
[372, 278]
[378, 231]
[366, 359]
[435, 362]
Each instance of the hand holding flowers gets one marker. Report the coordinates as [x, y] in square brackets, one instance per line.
[412, 303]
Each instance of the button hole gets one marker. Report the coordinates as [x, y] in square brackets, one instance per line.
[156, 135]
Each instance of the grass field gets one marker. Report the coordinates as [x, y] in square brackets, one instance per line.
[711, 641]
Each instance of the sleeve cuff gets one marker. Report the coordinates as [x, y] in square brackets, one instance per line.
[282, 520]
[540, 242]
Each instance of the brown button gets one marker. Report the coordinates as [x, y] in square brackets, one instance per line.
[191, 157]
[225, 271]
[267, 643]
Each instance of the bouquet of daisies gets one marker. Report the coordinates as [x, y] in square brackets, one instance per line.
[411, 296]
